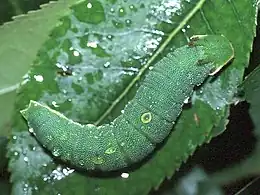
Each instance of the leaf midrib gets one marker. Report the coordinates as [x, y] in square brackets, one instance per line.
[150, 61]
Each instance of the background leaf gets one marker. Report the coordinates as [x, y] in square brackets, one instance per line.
[22, 38]
[196, 182]
[93, 58]
[250, 166]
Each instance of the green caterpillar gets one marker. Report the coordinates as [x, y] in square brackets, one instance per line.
[147, 119]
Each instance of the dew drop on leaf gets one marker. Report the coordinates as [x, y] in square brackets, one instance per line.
[125, 175]
[31, 130]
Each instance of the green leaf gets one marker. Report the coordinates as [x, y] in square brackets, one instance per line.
[88, 71]
[249, 166]
[5, 187]
[3, 149]
[7, 105]
[252, 94]
[22, 37]
[195, 183]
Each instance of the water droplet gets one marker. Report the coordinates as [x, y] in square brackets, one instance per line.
[76, 53]
[121, 12]
[16, 153]
[92, 44]
[14, 137]
[25, 187]
[122, 111]
[26, 159]
[38, 78]
[64, 91]
[107, 64]
[132, 8]
[112, 10]
[151, 67]
[67, 171]
[125, 175]
[186, 101]
[31, 130]
[55, 104]
[89, 5]
[128, 22]
[110, 37]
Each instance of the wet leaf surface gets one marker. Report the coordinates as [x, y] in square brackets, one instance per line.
[88, 71]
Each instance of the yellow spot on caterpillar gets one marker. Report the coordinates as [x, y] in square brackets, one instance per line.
[98, 160]
[146, 117]
[110, 150]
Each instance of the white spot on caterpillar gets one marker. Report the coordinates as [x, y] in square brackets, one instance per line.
[38, 78]
[55, 152]
[125, 175]
[81, 162]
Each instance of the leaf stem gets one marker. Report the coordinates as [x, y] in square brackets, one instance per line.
[9, 89]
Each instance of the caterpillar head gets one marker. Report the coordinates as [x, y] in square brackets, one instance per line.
[218, 50]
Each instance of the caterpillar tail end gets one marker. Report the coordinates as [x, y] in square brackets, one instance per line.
[26, 112]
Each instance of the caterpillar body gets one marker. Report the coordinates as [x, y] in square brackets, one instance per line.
[147, 119]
